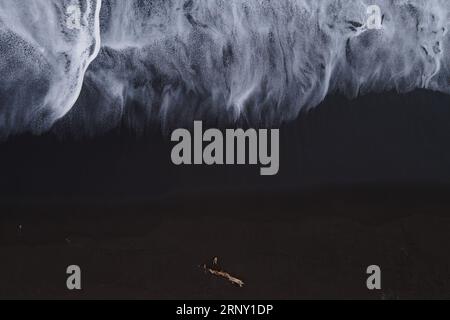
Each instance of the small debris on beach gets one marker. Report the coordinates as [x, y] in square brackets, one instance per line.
[215, 270]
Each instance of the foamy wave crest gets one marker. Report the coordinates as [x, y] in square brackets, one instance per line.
[177, 60]
[44, 55]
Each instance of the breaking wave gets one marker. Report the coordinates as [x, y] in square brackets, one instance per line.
[174, 61]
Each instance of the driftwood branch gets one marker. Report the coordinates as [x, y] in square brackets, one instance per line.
[215, 271]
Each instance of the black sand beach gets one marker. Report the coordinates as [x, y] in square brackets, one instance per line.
[361, 182]
[282, 246]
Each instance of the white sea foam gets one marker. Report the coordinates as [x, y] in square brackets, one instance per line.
[42, 60]
[179, 60]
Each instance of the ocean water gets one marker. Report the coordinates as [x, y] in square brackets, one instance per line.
[91, 64]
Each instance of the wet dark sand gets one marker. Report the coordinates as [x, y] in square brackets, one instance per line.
[109, 203]
[282, 245]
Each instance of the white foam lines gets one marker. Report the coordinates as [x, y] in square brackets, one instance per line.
[181, 59]
[85, 65]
